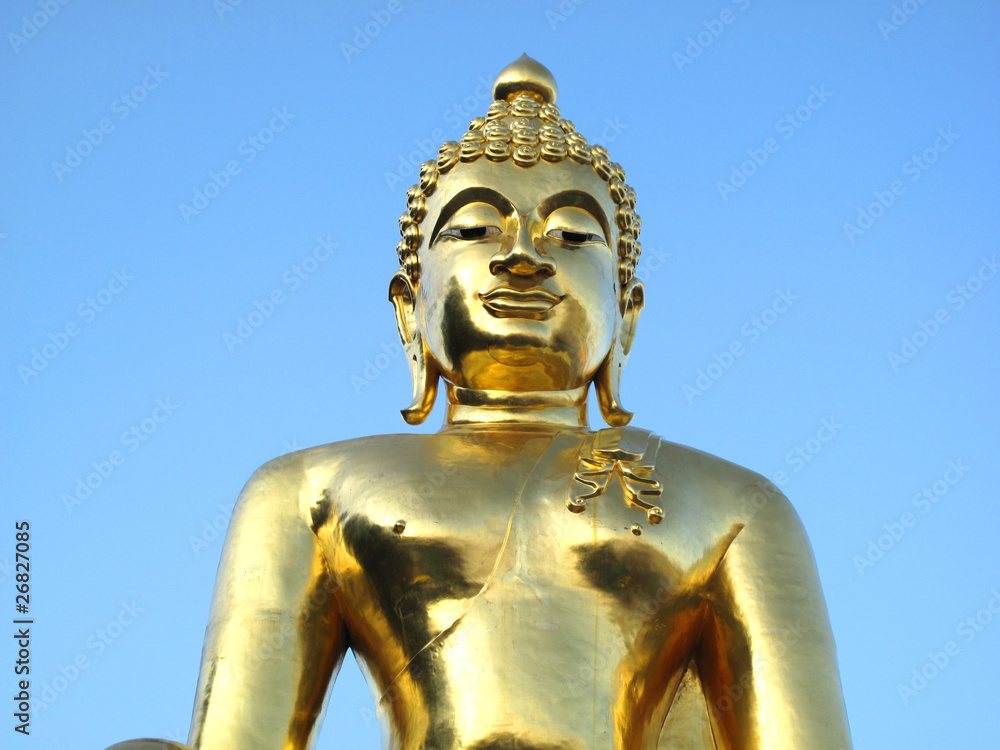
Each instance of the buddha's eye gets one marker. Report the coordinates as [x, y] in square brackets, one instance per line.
[575, 238]
[471, 233]
[572, 226]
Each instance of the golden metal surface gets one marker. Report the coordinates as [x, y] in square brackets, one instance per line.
[516, 580]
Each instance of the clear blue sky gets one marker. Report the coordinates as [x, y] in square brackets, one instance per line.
[818, 186]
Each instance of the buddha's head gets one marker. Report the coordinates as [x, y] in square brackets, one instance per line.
[518, 256]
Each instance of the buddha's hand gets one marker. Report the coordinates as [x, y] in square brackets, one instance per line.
[149, 744]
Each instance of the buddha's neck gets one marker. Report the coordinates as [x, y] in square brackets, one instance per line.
[553, 409]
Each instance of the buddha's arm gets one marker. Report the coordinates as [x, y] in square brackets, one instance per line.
[767, 656]
[275, 640]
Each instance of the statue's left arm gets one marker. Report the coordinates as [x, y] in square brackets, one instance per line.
[767, 657]
[275, 637]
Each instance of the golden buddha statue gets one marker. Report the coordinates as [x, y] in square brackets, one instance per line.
[554, 588]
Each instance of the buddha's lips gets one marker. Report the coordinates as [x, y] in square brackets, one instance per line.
[519, 303]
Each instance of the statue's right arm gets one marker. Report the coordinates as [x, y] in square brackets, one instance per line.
[275, 638]
[767, 658]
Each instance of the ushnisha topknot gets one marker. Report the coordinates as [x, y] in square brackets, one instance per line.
[523, 124]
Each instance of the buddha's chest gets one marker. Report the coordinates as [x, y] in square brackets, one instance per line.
[466, 580]
[483, 531]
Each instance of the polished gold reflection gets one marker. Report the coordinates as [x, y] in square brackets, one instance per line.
[517, 580]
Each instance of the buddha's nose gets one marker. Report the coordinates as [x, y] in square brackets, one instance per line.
[522, 258]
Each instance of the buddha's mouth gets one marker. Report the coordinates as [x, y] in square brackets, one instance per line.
[533, 304]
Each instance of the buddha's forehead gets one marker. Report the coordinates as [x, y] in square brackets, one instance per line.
[525, 188]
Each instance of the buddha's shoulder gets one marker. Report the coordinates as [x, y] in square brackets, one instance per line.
[708, 482]
[683, 460]
[339, 457]
[295, 482]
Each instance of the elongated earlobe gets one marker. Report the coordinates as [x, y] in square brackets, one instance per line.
[607, 381]
[422, 370]
[425, 381]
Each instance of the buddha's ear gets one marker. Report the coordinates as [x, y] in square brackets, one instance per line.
[403, 297]
[607, 381]
[633, 299]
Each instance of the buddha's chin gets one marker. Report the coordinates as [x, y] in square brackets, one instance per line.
[517, 356]
[527, 368]
[520, 362]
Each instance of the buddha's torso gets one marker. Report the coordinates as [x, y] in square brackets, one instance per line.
[486, 615]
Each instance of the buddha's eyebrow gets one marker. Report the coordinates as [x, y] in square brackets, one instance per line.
[577, 199]
[476, 194]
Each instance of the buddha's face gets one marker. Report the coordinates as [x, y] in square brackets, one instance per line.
[518, 281]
